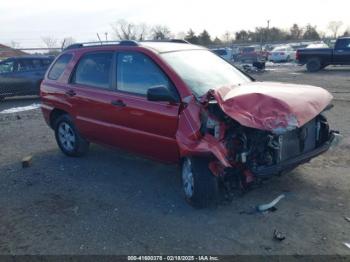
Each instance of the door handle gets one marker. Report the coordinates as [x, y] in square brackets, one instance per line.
[70, 92]
[118, 103]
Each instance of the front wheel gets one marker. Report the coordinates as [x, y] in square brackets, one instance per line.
[200, 186]
[68, 138]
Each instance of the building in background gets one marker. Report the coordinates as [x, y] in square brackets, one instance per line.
[6, 51]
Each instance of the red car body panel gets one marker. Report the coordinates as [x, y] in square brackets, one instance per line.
[191, 142]
[270, 106]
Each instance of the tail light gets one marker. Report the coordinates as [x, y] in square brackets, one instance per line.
[297, 55]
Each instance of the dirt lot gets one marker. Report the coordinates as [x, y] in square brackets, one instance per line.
[111, 202]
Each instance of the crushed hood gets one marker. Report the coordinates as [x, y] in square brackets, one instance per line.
[275, 107]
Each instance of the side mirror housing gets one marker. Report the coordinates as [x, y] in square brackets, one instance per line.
[160, 93]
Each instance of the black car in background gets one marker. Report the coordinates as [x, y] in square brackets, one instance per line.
[318, 58]
[20, 76]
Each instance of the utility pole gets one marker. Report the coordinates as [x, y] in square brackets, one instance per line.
[106, 34]
[268, 29]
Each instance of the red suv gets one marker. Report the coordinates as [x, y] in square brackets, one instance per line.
[180, 103]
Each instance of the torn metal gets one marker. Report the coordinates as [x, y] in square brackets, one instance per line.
[259, 128]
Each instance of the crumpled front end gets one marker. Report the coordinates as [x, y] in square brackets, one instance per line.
[270, 106]
[247, 134]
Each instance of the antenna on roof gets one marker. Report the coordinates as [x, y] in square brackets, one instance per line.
[98, 36]
[64, 41]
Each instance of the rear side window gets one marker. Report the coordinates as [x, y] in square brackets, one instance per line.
[136, 73]
[25, 65]
[37, 64]
[59, 66]
[94, 70]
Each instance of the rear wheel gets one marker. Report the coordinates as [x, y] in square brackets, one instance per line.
[200, 186]
[313, 65]
[68, 138]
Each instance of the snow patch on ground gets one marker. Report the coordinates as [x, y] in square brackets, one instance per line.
[20, 109]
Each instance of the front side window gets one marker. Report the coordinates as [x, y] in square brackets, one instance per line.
[7, 66]
[136, 73]
[94, 70]
[59, 66]
[202, 70]
[343, 44]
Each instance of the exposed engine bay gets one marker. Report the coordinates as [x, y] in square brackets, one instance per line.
[253, 149]
[253, 131]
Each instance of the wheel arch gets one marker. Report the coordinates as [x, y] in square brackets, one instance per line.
[56, 113]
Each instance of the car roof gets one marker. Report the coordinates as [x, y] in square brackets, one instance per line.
[163, 46]
[32, 57]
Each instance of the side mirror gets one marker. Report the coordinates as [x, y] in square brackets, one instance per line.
[160, 93]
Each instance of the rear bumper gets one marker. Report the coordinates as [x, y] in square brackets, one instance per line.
[294, 162]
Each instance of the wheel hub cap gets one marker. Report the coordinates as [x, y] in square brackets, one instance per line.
[187, 178]
[66, 136]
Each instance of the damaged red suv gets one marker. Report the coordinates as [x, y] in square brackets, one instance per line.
[180, 103]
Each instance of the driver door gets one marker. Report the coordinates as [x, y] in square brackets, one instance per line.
[146, 127]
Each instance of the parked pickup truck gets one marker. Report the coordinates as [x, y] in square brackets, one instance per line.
[22, 75]
[318, 58]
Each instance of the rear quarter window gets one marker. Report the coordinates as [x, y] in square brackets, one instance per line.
[59, 66]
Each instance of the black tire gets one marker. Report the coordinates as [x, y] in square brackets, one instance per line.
[79, 146]
[288, 59]
[313, 65]
[205, 186]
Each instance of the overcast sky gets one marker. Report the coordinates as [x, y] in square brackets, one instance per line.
[27, 21]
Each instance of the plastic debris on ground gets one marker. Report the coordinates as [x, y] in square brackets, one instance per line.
[270, 206]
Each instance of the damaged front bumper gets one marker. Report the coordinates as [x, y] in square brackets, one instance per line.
[290, 164]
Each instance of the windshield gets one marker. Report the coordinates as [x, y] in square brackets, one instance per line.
[202, 70]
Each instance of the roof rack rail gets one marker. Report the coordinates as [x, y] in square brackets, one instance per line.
[182, 41]
[122, 43]
[99, 43]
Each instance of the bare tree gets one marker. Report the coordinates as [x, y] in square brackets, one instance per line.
[49, 41]
[124, 30]
[14, 44]
[334, 27]
[160, 32]
[227, 37]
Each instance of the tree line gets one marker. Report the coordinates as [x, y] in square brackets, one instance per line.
[123, 29]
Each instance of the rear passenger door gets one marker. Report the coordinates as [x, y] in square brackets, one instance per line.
[91, 94]
[148, 127]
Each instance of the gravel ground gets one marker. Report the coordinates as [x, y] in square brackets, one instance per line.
[112, 202]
